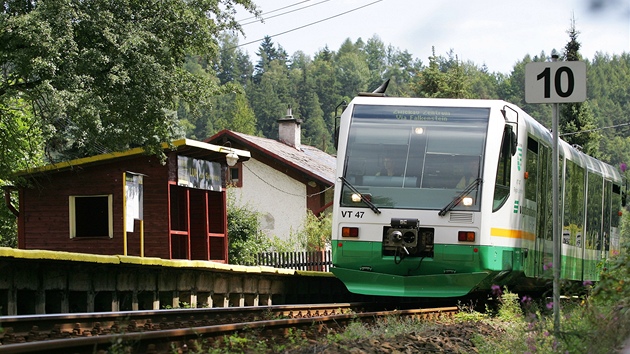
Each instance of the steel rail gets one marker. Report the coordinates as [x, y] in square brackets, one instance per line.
[142, 341]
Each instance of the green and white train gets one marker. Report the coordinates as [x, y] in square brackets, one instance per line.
[443, 197]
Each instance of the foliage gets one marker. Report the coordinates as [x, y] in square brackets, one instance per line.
[596, 324]
[444, 78]
[576, 121]
[612, 289]
[244, 235]
[8, 222]
[316, 232]
[103, 76]
[21, 146]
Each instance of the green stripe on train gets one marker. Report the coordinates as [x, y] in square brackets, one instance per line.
[456, 259]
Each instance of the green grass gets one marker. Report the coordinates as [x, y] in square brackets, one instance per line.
[528, 327]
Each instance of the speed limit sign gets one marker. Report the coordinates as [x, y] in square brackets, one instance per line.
[555, 82]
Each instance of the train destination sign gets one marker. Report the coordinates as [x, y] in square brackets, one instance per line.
[555, 82]
[426, 114]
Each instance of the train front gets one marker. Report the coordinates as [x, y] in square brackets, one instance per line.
[408, 197]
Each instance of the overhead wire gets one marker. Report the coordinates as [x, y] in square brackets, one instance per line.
[595, 129]
[283, 191]
[308, 24]
[280, 9]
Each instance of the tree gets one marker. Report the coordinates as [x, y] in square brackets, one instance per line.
[512, 89]
[352, 69]
[267, 106]
[267, 53]
[20, 148]
[445, 78]
[233, 112]
[105, 75]
[233, 65]
[577, 123]
[327, 85]
[401, 69]
[376, 60]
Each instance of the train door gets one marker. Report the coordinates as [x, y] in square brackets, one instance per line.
[594, 226]
[544, 226]
[530, 209]
[604, 242]
[573, 220]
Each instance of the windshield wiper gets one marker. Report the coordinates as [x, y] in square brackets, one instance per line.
[459, 197]
[364, 199]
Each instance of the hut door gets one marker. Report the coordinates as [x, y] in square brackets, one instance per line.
[208, 230]
[179, 220]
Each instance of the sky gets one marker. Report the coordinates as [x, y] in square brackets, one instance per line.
[495, 33]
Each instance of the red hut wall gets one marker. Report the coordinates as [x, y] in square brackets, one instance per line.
[45, 216]
[198, 221]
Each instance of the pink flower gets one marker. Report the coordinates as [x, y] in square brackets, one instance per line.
[550, 305]
[623, 167]
[496, 290]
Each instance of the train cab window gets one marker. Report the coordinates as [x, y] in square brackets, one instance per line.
[502, 183]
[91, 216]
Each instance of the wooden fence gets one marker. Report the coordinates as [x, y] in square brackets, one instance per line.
[315, 260]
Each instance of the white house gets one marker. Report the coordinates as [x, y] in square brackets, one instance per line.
[283, 179]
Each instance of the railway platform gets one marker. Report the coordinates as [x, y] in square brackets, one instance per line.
[44, 282]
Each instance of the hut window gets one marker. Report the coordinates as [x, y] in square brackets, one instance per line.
[91, 216]
[235, 175]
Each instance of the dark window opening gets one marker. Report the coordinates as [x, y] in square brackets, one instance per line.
[235, 175]
[91, 216]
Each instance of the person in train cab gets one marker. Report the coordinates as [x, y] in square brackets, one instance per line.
[389, 168]
[470, 173]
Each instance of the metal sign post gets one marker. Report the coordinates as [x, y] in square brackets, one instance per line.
[555, 82]
[557, 245]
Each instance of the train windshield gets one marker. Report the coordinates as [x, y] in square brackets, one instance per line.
[415, 157]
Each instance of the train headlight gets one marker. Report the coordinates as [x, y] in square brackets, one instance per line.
[357, 198]
[468, 201]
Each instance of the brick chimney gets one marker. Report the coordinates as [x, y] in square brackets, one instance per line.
[289, 131]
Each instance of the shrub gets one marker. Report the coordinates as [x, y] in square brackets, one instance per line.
[8, 222]
[316, 232]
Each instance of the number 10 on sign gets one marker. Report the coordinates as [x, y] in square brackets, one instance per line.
[555, 82]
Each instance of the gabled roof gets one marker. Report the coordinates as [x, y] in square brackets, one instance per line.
[185, 147]
[309, 160]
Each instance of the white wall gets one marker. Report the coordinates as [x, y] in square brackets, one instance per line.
[279, 199]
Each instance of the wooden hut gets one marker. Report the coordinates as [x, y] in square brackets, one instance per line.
[131, 203]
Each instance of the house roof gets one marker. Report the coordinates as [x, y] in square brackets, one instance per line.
[308, 160]
[185, 147]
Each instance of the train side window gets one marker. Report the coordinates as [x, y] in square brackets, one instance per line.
[531, 166]
[502, 182]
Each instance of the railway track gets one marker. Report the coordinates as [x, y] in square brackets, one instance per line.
[162, 331]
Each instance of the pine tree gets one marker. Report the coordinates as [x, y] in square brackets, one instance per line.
[577, 122]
